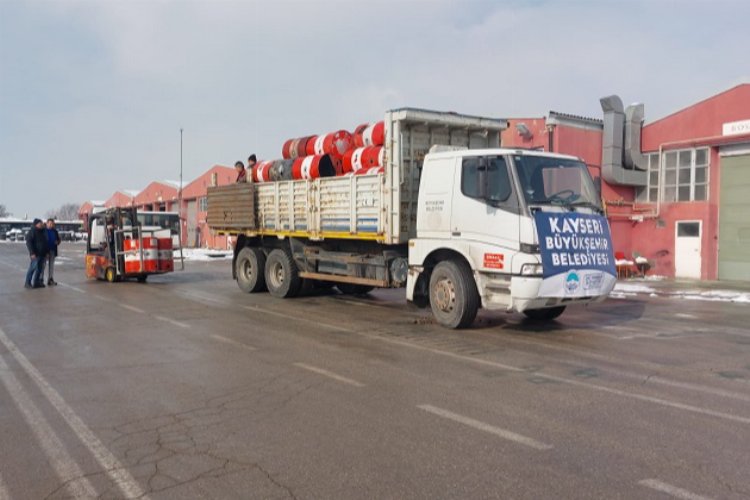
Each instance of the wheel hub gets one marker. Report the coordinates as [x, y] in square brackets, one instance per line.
[445, 295]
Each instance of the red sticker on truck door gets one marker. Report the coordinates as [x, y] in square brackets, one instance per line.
[494, 260]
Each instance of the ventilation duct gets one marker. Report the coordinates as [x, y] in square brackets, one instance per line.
[613, 139]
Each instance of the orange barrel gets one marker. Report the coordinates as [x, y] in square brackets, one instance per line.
[310, 145]
[281, 170]
[356, 159]
[370, 170]
[357, 135]
[374, 135]
[132, 257]
[166, 260]
[297, 168]
[150, 254]
[371, 156]
[317, 166]
[262, 171]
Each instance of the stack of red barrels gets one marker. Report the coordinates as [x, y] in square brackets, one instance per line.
[328, 155]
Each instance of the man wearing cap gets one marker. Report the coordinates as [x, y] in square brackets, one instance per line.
[36, 244]
[251, 161]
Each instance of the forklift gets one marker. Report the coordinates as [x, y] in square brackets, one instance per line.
[118, 248]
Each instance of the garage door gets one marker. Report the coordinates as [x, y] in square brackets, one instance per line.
[734, 223]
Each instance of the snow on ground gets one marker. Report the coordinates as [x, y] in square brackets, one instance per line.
[202, 254]
[623, 290]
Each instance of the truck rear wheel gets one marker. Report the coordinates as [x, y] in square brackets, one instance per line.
[282, 276]
[352, 289]
[453, 294]
[250, 269]
[544, 314]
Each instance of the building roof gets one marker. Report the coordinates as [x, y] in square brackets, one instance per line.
[555, 117]
[692, 105]
[174, 184]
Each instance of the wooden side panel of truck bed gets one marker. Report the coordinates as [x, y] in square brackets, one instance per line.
[349, 207]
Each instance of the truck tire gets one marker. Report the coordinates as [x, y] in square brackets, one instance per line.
[352, 289]
[282, 276]
[250, 268]
[453, 294]
[544, 314]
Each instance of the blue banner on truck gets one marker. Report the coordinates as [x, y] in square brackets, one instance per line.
[577, 256]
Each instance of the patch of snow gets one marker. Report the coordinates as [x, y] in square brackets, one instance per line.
[202, 254]
[633, 288]
[623, 262]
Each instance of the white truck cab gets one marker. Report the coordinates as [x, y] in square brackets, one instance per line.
[507, 229]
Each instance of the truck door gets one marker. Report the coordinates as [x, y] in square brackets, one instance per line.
[486, 211]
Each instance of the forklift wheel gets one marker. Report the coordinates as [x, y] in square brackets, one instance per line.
[142, 278]
[110, 275]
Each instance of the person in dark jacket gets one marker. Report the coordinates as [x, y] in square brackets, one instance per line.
[36, 244]
[53, 239]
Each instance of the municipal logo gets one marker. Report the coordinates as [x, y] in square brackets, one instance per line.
[572, 282]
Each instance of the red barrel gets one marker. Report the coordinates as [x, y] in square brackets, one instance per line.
[336, 143]
[356, 159]
[166, 260]
[346, 161]
[374, 135]
[286, 148]
[371, 156]
[302, 146]
[370, 171]
[340, 143]
[132, 257]
[317, 166]
[150, 255]
[297, 168]
[357, 135]
[310, 145]
[262, 171]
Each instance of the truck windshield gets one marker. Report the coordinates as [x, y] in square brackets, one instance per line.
[556, 181]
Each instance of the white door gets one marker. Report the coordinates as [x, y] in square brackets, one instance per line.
[687, 249]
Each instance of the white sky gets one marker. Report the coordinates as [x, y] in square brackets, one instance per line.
[93, 94]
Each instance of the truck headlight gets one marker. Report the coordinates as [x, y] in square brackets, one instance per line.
[531, 270]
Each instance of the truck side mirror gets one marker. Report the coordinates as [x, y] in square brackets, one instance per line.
[482, 169]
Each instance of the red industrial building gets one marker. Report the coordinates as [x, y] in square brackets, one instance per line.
[685, 203]
[194, 229]
[676, 190]
[122, 198]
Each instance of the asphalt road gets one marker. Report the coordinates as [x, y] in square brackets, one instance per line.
[184, 387]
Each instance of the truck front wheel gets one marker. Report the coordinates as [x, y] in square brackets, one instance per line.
[282, 276]
[544, 314]
[250, 270]
[453, 294]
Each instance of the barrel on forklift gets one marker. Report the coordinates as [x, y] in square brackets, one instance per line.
[118, 248]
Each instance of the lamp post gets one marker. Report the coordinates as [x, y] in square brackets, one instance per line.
[179, 203]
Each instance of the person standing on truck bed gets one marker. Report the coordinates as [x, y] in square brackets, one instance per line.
[241, 172]
[251, 161]
[36, 244]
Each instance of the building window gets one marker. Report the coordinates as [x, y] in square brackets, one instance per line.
[203, 204]
[650, 193]
[684, 177]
